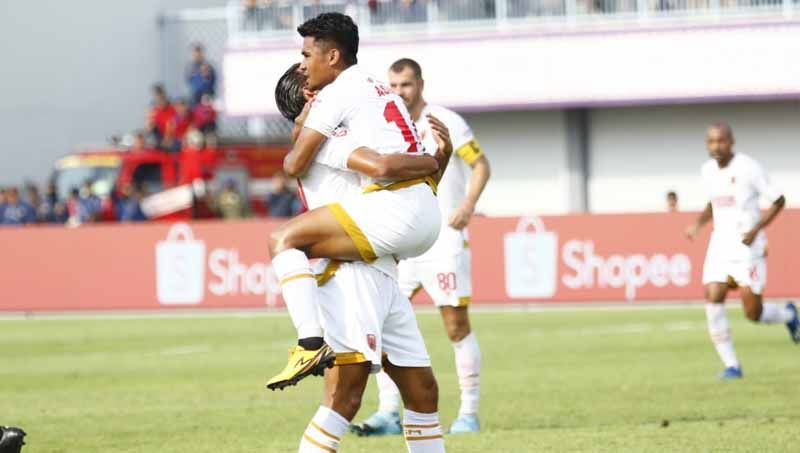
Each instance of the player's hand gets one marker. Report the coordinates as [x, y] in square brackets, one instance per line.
[750, 236]
[461, 216]
[692, 231]
[442, 136]
[301, 118]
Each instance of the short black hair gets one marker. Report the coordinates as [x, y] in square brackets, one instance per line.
[337, 29]
[289, 93]
[672, 194]
[403, 63]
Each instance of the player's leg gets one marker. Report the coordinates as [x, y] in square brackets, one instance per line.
[344, 387]
[719, 329]
[752, 286]
[314, 233]
[386, 420]
[421, 426]
[468, 366]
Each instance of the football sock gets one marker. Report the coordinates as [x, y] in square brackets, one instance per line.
[324, 432]
[423, 432]
[720, 331]
[775, 313]
[299, 288]
[468, 367]
[388, 393]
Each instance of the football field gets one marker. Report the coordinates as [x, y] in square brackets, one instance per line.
[611, 380]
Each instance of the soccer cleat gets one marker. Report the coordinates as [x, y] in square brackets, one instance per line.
[465, 424]
[794, 324]
[303, 363]
[11, 439]
[731, 372]
[381, 423]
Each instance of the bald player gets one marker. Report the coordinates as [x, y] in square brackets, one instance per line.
[737, 251]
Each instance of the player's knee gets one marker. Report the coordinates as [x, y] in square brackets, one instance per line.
[426, 398]
[458, 331]
[279, 241]
[345, 402]
[753, 313]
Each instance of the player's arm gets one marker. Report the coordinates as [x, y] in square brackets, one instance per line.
[481, 171]
[766, 219]
[444, 145]
[307, 143]
[392, 167]
[702, 219]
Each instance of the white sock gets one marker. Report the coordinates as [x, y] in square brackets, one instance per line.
[775, 313]
[388, 393]
[299, 288]
[720, 331]
[468, 367]
[324, 432]
[423, 432]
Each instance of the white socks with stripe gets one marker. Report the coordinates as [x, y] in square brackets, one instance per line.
[720, 331]
[389, 394]
[775, 313]
[324, 432]
[468, 367]
[423, 432]
[299, 288]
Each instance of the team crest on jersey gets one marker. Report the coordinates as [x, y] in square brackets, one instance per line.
[340, 131]
[371, 341]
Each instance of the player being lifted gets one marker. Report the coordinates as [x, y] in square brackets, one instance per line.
[368, 322]
[737, 250]
[397, 216]
[444, 270]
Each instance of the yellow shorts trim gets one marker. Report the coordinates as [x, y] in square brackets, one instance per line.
[415, 292]
[403, 184]
[351, 228]
[328, 273]
[466, 244]
[350, 358]
[464, 301]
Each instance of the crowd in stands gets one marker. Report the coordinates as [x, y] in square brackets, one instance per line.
[183, 125]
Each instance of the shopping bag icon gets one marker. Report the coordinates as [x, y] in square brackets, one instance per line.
[531, 258]
[180, 267]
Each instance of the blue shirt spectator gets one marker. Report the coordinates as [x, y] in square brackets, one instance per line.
[16, 211]
[129, 208]
[200, 75]
[89, 203]
[282, 201]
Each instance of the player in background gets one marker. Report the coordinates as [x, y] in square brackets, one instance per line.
[368, 323]
[444, 270]
[397, 216]
[737, 250]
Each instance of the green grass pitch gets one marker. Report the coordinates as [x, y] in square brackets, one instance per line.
[592, 380]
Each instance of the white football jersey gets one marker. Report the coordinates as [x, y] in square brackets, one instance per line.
[734, 193]
[453, 186]
[325, 183]
[369, 110]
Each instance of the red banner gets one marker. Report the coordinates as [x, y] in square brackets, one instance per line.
[226, 265]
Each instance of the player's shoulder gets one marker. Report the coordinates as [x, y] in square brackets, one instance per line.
[743, 159]
[447, 116]
[708, 166]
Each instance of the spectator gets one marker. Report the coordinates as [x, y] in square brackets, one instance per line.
[91, 203]
[204, 117]
[160, 121]
[672, 201]
[139, 142]
[47, 210]
[130, 205]
[193, 158]
[230, 204]
[181, 122]
[15, 210]
[32, 196]
[3, 200]
[200, 75]
[282, 201]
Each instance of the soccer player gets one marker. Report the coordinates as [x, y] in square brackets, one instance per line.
[444, 270]
[737, 250]
[397, 218]
[367, 321]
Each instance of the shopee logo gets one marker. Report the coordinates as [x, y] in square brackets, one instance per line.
[588, 270]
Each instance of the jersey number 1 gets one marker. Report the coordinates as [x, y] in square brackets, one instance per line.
[393, 115]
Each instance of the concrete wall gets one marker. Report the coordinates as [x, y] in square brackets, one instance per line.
[74, 72]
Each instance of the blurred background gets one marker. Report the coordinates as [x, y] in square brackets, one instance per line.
[583, 105]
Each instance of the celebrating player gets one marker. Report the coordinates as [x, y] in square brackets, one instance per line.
[363, 312]
[398, 216]
[444, 270]
[737, 250]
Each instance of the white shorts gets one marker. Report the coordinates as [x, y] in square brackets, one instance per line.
[403, 223]
[735, 264]
[447, 280]
[365, 316]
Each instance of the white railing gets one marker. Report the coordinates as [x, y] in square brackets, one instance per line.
[276, 19]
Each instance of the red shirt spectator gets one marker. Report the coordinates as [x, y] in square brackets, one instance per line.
[204, 117]
[182, 119]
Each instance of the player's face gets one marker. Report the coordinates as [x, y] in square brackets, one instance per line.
[407, 86]
[719, 143]
[317, 64]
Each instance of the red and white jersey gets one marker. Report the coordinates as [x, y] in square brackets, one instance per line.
[734, 193]
[453, 185]
[369, 110]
